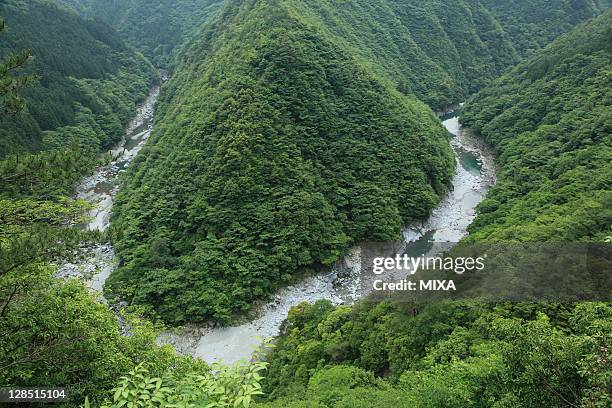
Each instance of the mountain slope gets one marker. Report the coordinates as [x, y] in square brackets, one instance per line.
[533, 24]
[89, 79]
[157, 28]
[274, 149]
[283, 138]
[440, 51]
[550, 120]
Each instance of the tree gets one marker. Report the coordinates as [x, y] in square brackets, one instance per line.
[10, 100]
[224, 386]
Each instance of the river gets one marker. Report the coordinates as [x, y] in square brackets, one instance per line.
[97, 262]
[475, 174]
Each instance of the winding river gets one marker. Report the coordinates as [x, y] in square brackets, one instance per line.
[97, 262]
[475, 174]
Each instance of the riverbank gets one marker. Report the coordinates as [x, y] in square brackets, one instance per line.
[448, 222]
[97, 262]
[475, 174]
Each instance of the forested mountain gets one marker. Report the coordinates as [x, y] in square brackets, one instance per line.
[533, 24]
[89, 80]
[274, 150]
[53, 332]
[290, 130]
[158, 28]
[258, 129]
[550, 120]
[441, 51]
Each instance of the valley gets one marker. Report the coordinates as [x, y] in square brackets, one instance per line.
[191, 194]
[475, 173]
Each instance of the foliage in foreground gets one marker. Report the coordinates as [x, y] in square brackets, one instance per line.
[53, 333]
[224, 386]
[448, 354]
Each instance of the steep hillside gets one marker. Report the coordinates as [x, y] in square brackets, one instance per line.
[533, 24]
[289, 116]
[89, 80]
[55, 332]
[550, 120]
[440, 51]
[157, 28]
[288, 132]
[274, 150]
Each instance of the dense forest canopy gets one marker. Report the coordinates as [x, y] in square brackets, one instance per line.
[292, 129]
[449, 354]
[550, 119]
[279, 108]
[532, 25]
[158, 28]
[89, 81]
[84, 86]
[274, 150]
[441, 51]
[12, 79]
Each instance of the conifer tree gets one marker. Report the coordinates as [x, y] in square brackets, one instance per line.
[10, 100]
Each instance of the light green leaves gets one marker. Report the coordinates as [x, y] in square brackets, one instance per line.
[221, 387]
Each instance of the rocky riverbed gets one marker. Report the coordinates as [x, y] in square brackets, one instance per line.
[475, 174]
[94, 264]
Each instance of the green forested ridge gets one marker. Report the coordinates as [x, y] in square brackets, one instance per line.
[54, 333]
[274, 149]
[533, 24]
[438, 51]
[550, 120]
[158, 28]
[283, 138]
[89, 80]
[441, 51]
[87, 85]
